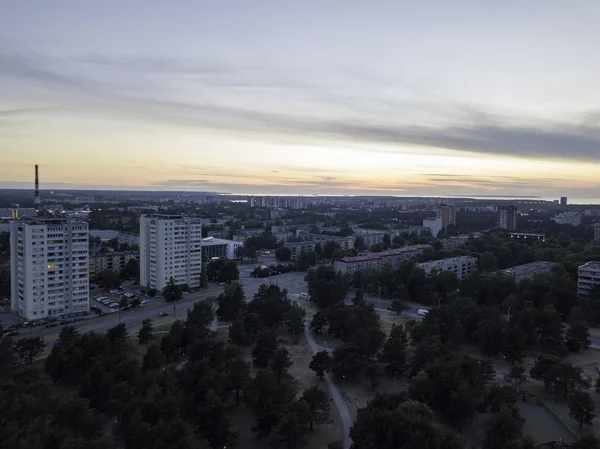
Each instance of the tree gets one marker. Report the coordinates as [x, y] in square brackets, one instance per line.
[581, 408]
[237, 334]
[550, 328]
[265, 349]
[293, 424]
[392, 425]
[231, 302]
[153, 359]
[131, 270]
[359, 243]
[499, 397]
[280, 362]
[28, 348]
[320, 363]
[283, 254]
[109, 279]
[487, 262]
[504, 427]
[514, 345]
[229, 272]
[516, 376]
[145, 333]
[318, 405]
[151, 292]
[578, 336]
[394, 351]
[558, 374]
[295, 318]
[172, 293]
[238, 377]
[347, 362]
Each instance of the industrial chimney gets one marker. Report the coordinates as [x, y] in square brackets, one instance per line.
[37, 190]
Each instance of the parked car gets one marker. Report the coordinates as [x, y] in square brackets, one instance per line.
[164, 314]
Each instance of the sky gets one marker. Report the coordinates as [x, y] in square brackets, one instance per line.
[302, 97]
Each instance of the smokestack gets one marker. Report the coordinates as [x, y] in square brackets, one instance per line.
[37, 189]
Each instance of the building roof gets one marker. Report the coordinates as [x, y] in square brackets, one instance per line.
[528, 268]
[363, 258]
[591, 265]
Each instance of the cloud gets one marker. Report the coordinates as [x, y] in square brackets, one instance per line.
[455, 127]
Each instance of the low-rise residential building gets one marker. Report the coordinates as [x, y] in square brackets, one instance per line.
[349, 265]
[128, 239]
[115, 262]
[376, 261]
[298, 248]
[213, 248]
[527, 236]
[528, 270]
[589, 277]
[568, 218]
[451, 243]
[461, 266]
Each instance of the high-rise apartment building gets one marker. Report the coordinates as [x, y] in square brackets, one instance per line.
[507, 217]
[170, 246]
[447, 214]
[49, 267]
[596, 227]
[563, 200]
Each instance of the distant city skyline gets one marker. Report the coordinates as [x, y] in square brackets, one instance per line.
[433, 98]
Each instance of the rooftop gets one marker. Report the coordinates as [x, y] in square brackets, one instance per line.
[458, 259]
[592, 265]
[527, 268]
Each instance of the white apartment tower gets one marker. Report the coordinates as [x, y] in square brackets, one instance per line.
[170, 246]
[49, 267]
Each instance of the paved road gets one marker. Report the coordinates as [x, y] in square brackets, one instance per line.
[294, 282]
[338, 400]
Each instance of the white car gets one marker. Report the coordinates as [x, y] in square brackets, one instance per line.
[144, 302]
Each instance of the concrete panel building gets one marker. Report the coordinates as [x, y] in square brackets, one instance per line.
[589, 277]
[49, 267]
[114, 262]
[461, 266]
[213, 248]
[528, 270]
[377, 261]
[170, 246]
[507, 218]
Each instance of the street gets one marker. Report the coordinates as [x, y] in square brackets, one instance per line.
[294, 282]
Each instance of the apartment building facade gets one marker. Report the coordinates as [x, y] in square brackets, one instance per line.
[568, 218]
[461, 266]
[170, 246]
[506, 218]
[589, 277]
[214, 248]
[393, 257]
[114, 262]
[49, 267]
